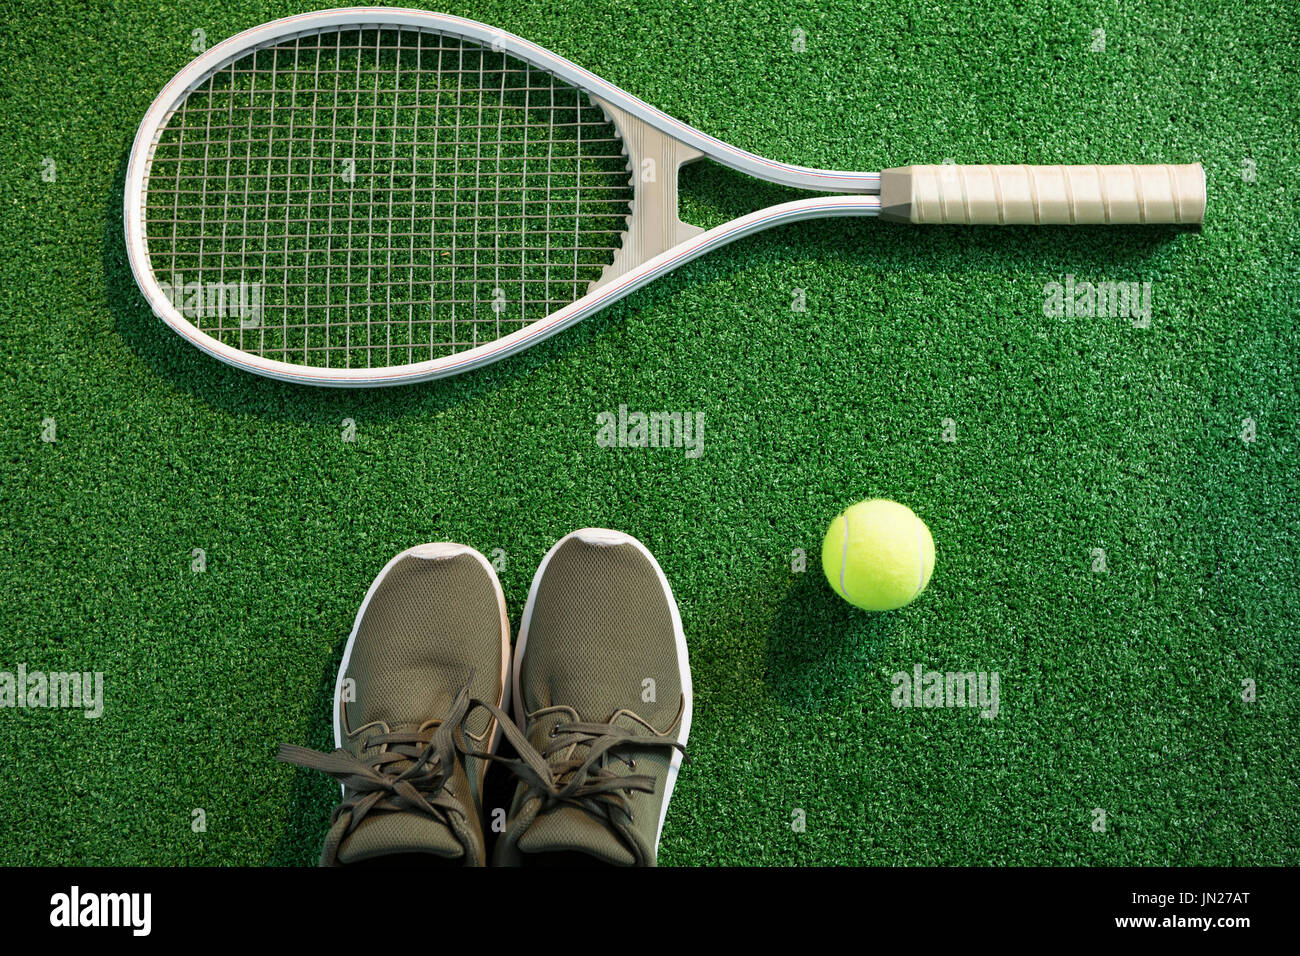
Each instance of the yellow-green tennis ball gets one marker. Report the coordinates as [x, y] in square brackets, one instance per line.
[878, 555]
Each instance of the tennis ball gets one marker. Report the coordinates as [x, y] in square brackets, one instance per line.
[878, 555]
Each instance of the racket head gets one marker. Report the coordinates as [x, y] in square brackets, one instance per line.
[360, 220]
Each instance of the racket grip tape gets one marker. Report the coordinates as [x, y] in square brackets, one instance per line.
[1044, 195]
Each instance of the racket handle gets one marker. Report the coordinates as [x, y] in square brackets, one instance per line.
[1044, 195]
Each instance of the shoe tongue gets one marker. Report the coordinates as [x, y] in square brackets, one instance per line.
[565, 829]
[385, 834]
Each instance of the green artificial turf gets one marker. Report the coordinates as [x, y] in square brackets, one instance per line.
[1120, 691]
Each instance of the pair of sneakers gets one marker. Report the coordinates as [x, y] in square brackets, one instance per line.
[601, 688]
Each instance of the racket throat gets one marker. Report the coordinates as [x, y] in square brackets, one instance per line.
[653, 222]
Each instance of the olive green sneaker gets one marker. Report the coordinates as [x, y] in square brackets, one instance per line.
[432, 636]
[602, 691]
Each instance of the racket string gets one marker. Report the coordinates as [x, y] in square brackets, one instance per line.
[393, 195]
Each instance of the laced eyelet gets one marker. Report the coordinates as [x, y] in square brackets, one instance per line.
[631, 765]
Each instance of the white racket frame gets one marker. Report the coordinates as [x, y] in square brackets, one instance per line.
[865, 185]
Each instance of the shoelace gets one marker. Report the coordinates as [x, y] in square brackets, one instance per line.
[410, 772]
[582, 781]
[411, 769]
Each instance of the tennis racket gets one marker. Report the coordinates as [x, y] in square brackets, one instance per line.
[372, 196]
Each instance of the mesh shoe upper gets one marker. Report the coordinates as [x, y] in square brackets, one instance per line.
[430, 638]
[604, 695]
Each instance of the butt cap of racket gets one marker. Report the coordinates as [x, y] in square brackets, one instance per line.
[1045, 195]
